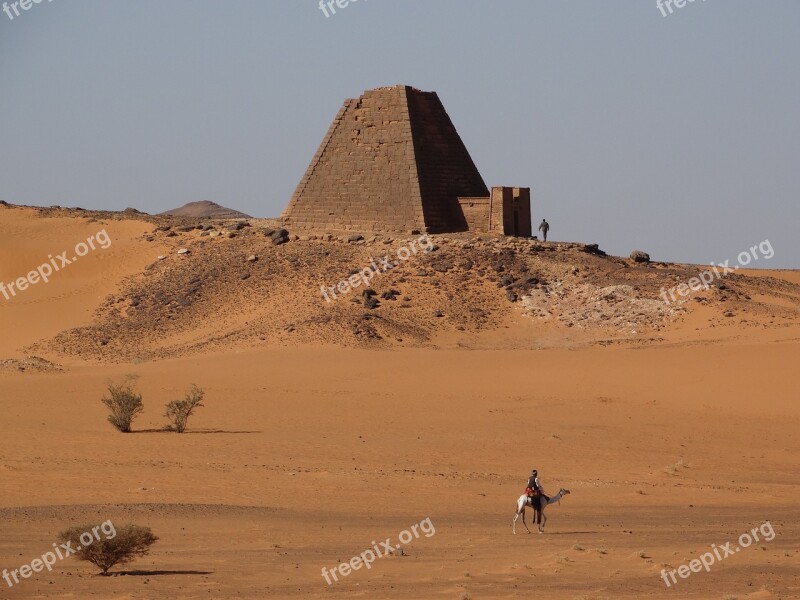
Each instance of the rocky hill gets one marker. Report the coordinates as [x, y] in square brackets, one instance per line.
[205, 208]
[246, 283]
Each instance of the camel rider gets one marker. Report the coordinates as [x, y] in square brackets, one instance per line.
[534, 488]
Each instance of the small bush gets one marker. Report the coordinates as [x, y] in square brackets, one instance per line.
[124, 403]
[128, 543]
[179, 411]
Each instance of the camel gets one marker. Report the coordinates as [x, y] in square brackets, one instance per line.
[538, 516]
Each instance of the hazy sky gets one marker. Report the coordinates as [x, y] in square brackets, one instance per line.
[677, 135]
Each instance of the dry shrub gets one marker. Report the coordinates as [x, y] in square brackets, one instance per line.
[179, 411]
[129, 543]
[124, 403]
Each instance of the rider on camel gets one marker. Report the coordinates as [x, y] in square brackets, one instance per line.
[534, 489]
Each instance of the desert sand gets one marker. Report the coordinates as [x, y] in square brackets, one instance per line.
[324, 432]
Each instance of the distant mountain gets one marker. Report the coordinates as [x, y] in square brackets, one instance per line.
[205, 208]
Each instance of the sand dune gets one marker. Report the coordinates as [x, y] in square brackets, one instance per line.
[28, 239]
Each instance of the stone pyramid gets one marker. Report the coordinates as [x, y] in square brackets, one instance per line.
[391, 161]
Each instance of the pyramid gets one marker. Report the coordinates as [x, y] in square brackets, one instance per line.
[392, 160]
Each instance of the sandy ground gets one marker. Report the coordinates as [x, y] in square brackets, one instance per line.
[304, 457]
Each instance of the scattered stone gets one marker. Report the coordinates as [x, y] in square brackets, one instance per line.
[355, 238]
[244, 276]
[252, 258]
[593, 249]
[161, 257]
[442, 265]
[172, 234]
[371, 302]
[183, 251]
[33, 363]
[231, 234]
[278, 236]
[640, 257]
[365, 330]
[511, 296]
[438, 314]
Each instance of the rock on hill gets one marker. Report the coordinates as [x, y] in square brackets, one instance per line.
[205, 208]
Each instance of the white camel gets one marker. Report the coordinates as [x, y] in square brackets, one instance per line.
[538, 516]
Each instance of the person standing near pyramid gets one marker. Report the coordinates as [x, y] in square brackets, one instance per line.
[544, 227]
